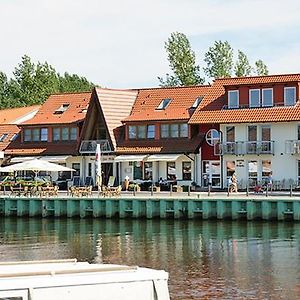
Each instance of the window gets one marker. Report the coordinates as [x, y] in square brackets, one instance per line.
[73, 133]
[252, 133]
[56, 134]
[150, 131]
[233, 99]
[174, 131]
[14, 137]
[212, 137]
[254, 98]
[132, 132]
[186, 170]
[35, 135]
[148, 171]
[61, 109]
[230, 168]
[3, 137]
[197, 102]
[164, 104]
[44, 134]
[171, 170]
[142, 132]
[27, 135]
[267, 97]
[266, 133]
[266, 169]
[230, 134]
[76, 167]
[138, 170]
[164, 130]
[289, 96]
[65, 134]
[184, 130]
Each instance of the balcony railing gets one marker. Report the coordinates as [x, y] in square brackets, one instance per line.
[292, 147]
[242, 148]
[89, 146]
[243, 106]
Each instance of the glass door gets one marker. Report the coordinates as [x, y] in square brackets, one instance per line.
[211, 173]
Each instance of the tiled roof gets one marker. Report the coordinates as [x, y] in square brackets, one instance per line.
[210, 110]
[160, 146]
[76, 111]
[10, 130]
[12, 115]
[116, 105]
[145, 106]
[41, 148]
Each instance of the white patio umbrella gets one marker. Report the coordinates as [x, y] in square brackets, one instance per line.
[35, 165]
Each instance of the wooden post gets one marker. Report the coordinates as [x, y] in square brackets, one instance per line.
[171, 189]
[151, 189]
[189, 190]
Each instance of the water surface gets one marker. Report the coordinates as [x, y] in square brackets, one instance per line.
[205, 259]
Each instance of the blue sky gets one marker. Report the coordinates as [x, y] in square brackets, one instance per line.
[120, 43]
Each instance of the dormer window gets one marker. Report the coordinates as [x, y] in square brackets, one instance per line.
[62, 109]
[164, 104]
[289, 96]
[197, 102]
[233, 99]
[254, 98]
[3, 137]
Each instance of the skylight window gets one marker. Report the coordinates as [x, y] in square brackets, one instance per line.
[164, 103]
[3, 137]
[197, 102]
[62, 109]
[14, 137]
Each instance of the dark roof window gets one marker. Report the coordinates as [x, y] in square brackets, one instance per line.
[164, 103]
[62, 109]
[197, 102]
[3, 137]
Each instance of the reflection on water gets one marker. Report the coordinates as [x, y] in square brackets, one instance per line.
[205, 259]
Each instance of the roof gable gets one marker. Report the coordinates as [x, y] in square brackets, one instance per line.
[18, 115]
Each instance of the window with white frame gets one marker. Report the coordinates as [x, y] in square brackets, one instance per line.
[254, 98]
[212, 137]
[142, 131]
[3, 137]
[267, 97]
[164, 104]
[186, 170]
[174, 130]
[233, 99]
[289, 96]
[132, 132]
[44, 134]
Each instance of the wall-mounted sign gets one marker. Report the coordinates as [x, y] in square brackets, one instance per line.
[240, 163]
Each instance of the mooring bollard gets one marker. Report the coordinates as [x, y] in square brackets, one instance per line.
[228, 192]
[291, 190]
[171, 189]
[134, 191]
[189, 190]
[209, 187]
[247, 190]
[151, 189]
[267, 191]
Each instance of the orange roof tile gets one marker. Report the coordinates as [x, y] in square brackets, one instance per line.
[210, 110]
[78, 102]
[145, 106]
[12, 115]
[10, 130]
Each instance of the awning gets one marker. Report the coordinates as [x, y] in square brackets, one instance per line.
[164, 157]
[122, 158]
[56, 159]
[22, 158]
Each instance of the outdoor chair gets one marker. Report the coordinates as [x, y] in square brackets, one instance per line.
[111, 181]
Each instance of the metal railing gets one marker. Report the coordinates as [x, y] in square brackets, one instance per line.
[89, 146]
[292, 147]
[247, 106]
[242, 148]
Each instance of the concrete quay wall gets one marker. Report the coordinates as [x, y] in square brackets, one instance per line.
[284, 208]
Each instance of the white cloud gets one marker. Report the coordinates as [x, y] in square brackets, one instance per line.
[120, 43]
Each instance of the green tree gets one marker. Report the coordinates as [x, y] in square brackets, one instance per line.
[33, 83]
[261, 68]
[242, 66]
[182, 62]
[219, 60]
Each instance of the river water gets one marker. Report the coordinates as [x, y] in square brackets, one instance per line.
[205, 259]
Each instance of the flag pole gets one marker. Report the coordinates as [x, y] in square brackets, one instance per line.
[98, 167]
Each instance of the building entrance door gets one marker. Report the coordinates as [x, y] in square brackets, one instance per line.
[211, 173]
